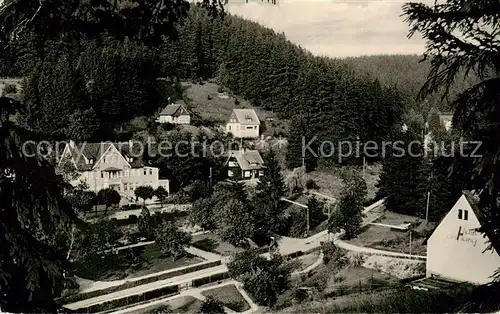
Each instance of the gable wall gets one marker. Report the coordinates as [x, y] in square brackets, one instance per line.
[455, 249]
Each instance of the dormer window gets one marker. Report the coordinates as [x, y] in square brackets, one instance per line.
[90, 161]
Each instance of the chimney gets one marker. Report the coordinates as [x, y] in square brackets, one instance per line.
[71, 143]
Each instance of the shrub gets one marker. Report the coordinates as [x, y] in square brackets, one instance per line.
[236, 102]
[356, 259]
[208, 245]
[10, 89]
[220, 89]
[338, 279]
[311, 184]
[211, 306]
[341, 290]
[333, 255]
[300, 295]
[321, 284]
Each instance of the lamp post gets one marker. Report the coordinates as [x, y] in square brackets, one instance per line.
[410, 242]
[427, 207]
[307, 209]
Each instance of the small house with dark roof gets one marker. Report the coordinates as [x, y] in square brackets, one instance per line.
[456, 251]
[243, 123]
[244, 164]
[175, 113]
[110, 165]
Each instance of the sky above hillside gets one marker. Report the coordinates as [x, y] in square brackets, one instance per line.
[336, 28]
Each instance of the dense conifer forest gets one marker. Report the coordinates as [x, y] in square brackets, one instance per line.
[102, 82]
[409, 73]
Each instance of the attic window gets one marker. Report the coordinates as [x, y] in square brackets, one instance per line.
[90, 161]
[248, 118]
[463, 214]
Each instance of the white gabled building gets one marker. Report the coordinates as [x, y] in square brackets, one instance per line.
[110, 165]
[175, 114]
[457, 251]
[243, 123]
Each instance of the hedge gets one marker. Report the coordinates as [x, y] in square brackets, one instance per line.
[205, 280]
[131, 207]
[131, 284]
[133, 299]
[132, 219]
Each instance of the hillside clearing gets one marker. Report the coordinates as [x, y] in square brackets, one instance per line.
[206, 101]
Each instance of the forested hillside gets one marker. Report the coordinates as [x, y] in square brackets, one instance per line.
[408, 73]
[115, 81]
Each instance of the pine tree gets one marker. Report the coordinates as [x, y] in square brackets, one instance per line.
[301, 134]
[269, 208]
[67, 97]
[316, 211]
[401, 180]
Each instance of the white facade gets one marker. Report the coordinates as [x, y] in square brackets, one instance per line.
[456, 251]
[114, 170]
[175, 114]
[243, 123]
[242, 131]
[184, 119]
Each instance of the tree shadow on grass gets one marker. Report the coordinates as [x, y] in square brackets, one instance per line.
[209, 245]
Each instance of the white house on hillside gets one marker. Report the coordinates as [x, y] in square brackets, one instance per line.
[456, 251]
[110, 165]
[175, 114]
[243, 123]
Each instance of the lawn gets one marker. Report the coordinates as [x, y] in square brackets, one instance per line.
[305, 261]
[330, 184]
[186, 305]
[131, 263]
[211, 242]
[204, 100]
[180, 305]
[400, 300]
[325, 282]
[229, 296]
[385, 238]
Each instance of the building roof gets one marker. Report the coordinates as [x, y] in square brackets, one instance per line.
[171, 109]
[245, 116]
[473, 200]
[248, 159]
[446, 117]
[92, 152]
[112, 169]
